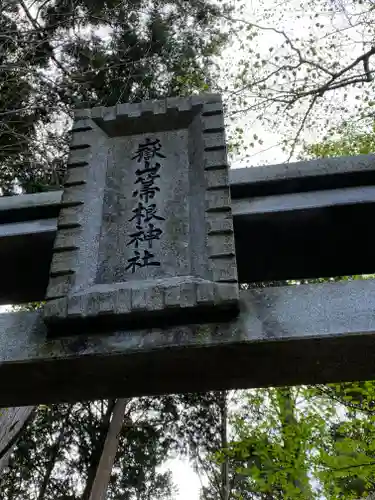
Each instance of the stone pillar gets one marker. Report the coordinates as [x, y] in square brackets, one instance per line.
[12, 423]
[146, 229]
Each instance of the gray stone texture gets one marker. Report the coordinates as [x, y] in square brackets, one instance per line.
[172, 202]
[290, 225]
[12, 422]
[283, 335]
[131, 225]
[302, 169]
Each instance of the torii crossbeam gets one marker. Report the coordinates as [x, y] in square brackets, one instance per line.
[189, 324]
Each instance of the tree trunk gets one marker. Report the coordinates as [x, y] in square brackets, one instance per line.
[98, 450]
[13, 421]
[54, 453]
[292, 442]
[103, 472]
[223, 406]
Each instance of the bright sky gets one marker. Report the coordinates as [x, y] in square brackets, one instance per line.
[185, 478]
[293, 17]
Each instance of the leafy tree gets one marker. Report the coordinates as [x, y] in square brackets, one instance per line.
[346, 464]
[59, 451]
[57, 455]
[345, 141]
[24, 100]
[302, 67]
[58, 54]
[347, 460]
[301, 442]
[269, 453]
[305, 442]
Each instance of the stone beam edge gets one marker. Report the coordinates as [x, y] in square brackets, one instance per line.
[292, 327]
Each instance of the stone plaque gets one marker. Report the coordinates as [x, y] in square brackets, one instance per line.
[145, 230]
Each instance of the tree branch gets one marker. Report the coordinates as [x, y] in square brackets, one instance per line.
[39, 28]
[302, 125]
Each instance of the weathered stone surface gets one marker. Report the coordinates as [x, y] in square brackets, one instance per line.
[72, 195]
[70, 218]
[220, 245]
[213, 122]
[77, 306]
[46, 202]
[218, 200]
[206, 293]
[228, 290]
[124, 301]
[182, 295]
[75, 176]
[278, 236]
[56, 309]
[79, 157]
[220, 222]
[304, 334]
[82, 114]
[59, 286]
[98, 303]
[64, 262]
[319, 168]
[67, 239]
[151, 296]
[217, 178]
[136, 230]
[223, 269]
[214, 140]
[82, 125]
[215, 158]
[12, 423]
[81, 140]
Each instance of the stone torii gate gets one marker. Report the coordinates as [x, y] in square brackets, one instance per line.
[141, 259]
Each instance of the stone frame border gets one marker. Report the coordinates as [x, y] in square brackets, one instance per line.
[67, 244]
[220, 244]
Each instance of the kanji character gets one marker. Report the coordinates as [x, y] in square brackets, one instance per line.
[148, 150]
[137, 261]
[136, 237]
[152, 233]
[146, 213]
